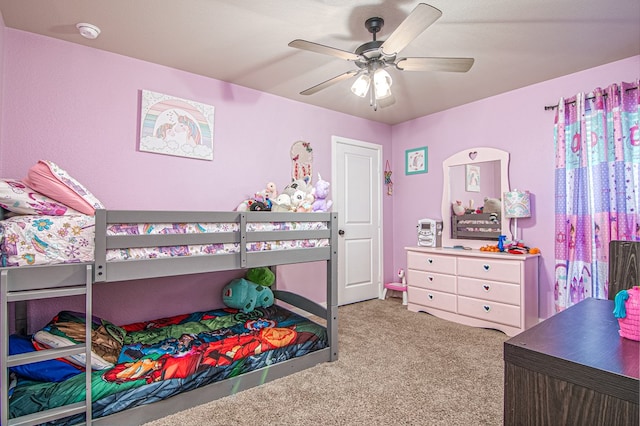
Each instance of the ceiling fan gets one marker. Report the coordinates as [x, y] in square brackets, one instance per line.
[373, 57]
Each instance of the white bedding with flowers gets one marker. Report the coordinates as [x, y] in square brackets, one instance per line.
[44, 240]
[209, 249]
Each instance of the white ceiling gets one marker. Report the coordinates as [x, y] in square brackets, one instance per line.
[515, 43]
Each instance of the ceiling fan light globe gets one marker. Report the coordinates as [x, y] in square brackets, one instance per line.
[382, 84]
[360, 87]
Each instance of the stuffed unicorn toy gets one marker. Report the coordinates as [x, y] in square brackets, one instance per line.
[321, 192]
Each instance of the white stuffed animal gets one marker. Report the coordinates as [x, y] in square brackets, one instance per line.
[492, 205]
[458, 208]
[297, 185]
[282, 203]
[301, 202]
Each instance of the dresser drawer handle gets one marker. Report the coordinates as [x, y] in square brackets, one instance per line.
[486, 308]
[430, 296]
[430, 260]
[430, 278]
[486, 267]
[486, 287]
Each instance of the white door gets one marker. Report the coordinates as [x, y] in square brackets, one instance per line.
[357, 178]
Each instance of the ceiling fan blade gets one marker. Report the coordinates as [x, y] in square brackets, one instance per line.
[418, 20]
[435, 64]
[330, 82]
[325, 50]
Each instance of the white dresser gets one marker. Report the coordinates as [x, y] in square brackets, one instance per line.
[476, 288]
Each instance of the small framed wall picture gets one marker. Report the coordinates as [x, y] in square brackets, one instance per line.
[472, 178]
[416, 161]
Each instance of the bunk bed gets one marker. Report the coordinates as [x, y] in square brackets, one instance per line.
[222, 241]
[476, 226]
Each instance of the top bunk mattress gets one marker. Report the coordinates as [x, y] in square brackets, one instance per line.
[45, 240]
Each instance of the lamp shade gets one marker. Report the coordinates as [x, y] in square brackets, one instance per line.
[517, 204]
[361, 86]
[382, 84]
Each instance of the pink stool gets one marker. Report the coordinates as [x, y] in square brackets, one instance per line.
[396, 287]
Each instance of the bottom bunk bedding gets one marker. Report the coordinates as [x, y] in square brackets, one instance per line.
[161, 358]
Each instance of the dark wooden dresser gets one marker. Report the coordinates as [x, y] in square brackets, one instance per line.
[624, 266]
[573, 369]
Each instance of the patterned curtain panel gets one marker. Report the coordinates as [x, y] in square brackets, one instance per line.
[597, 143]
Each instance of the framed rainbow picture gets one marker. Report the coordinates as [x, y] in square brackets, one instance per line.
[175, 126]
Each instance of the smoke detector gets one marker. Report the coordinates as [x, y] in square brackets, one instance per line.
[88, 30]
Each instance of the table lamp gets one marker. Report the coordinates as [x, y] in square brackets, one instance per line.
[517, 204]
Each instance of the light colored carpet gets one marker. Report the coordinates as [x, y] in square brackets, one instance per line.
[395, 367]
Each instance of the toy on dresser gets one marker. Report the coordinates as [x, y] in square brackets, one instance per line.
[492, 205]
[458, 208]
[627, 310]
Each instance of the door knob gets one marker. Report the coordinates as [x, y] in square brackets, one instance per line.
[341, 232]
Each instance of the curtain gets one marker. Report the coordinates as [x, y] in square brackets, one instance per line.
[597, 187]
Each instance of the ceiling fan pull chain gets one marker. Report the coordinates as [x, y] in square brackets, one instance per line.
[372, 99]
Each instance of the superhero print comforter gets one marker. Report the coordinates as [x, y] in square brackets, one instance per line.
[161, 358]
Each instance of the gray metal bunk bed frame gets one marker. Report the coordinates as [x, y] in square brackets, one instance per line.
[20, 284]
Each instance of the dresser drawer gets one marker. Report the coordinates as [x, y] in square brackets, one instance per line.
[489, 311]
[431, 262]
[490, 269]
[489, 290]
[431, 280]
[432, 299]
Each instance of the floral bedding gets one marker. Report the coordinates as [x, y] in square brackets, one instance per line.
[45, 240]
[210, 249]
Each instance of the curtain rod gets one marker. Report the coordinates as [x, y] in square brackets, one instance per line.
[552, 107]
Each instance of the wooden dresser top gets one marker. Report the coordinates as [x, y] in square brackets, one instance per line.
[581, 345]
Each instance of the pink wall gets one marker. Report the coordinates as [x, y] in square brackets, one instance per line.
[515, 122]
[79, 107]
[2, 28]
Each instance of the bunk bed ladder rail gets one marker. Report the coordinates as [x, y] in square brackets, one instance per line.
[332, 289]
[243, 240]
[15, 285]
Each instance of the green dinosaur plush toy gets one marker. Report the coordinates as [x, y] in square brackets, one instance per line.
[262, 276]
[245, 295]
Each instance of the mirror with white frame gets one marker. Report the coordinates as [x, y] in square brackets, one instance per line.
[468, 177]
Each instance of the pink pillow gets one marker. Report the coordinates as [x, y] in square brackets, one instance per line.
[49, 179]
[17, 197]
